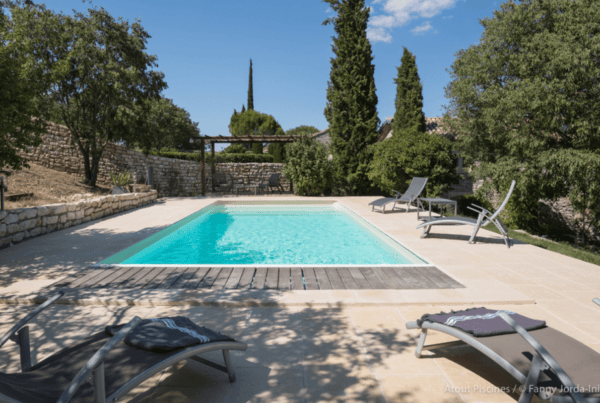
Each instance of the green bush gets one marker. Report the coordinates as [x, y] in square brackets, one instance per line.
[410, 154]
[221, 157]
[478, 199]
[307, 167]
[235, 149]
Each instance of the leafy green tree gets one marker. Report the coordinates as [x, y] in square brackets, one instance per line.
[303, 129]
[21, 82]
[412, 153]
[307, 167]
[99, 68]
[409, 96]
[277, 150]
[235, 149]
[250, 92]
[527, 93]
[351, 99]
[252, 123]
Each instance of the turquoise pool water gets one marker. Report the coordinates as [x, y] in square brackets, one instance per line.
[269, 235]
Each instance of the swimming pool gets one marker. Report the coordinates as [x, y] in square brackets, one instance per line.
[269, 235]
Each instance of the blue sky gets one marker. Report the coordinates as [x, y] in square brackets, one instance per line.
[204, 48]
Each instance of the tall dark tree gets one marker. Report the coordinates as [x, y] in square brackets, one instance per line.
[409, 97]
[351, 100]
[243, 108]
[250, 93]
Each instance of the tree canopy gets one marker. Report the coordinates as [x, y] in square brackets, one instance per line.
[99, 68]
[409, 96]
[351, 99]
[251, 123]
[303, 129]
[527, 93]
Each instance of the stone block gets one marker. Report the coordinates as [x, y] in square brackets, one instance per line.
[3, 215]
[71, 216]
[27, 214]
[42, 211]
[78, 221]
[58, 209]
[11, 219]
[43, 230]
[29, 224]
[67, 224]
[14, 228]
[18, 237]
[126, 203]
[35, 232]
[71, 207]
[51, 219]
[86, 219]
[3, 230]
[114, 206]
[63, 218]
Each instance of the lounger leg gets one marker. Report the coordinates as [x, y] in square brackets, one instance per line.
[98, 384]
[421, 342]
[537, 366]
[23, 341]
[426, 230]
[229, 366]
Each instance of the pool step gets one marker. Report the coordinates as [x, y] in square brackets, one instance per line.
[270, 278]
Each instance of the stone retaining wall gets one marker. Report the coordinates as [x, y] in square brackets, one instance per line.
[16, 225]
[171, 177]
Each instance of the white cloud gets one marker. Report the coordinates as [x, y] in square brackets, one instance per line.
[378, 35]
[447, 17]
[329, 10]
[421, 29]
[397, 13]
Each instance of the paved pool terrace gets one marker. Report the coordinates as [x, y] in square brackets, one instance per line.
[305, 345]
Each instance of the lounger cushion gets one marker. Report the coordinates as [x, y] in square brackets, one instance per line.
[166, 334]
[482, 322]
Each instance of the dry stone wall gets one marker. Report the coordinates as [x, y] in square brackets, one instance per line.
[171, 177]
[19, 224]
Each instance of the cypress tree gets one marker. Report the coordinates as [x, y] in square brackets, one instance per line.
[351, 100]
[243, 109]
[409, 97]
[250, 93]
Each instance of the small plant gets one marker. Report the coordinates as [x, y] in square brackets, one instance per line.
[122, 179]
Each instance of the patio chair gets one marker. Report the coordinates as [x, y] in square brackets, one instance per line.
[221, 182]
[546, 362]
[485, 217]
[274, 182]
[411, 195]
[102, 368]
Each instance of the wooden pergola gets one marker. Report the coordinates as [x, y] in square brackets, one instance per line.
[233, 139]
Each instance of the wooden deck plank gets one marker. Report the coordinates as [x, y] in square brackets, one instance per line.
[172, 278]
[210, 277]
[335, 279]
[309, 278]
[113, 276]
[65, 282]
[234, 278]
[432, 274]
[396, 279]
[284, 279]
[297, 279]
[322, 279]
[222, 278]
[374, 282]
[259, 278]
[409, 281]
[446, 280]
[423, 283]
[246, 279]
[162, 276]
[118, 283]
[140, 278]
[89, 283]
[184, 278]
[383, 278]
[359, 278]
[347, 278]
[196, 278]
[272, 278]
[86, 277]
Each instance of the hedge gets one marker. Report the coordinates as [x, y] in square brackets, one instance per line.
[221, 157]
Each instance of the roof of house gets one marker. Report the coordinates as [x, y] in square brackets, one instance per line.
[432, 125]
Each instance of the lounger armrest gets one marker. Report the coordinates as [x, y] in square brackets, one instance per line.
[482, 209]
[95, 363]
[398, 194]
[546, 357]
[412, 325]
[596, 301]
[30, 315]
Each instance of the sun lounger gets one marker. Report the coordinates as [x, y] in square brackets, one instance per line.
[485, 217]
[546, 362]
[411, 195]
[102, 368]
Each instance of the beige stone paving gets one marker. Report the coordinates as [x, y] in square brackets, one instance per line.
[316, 346]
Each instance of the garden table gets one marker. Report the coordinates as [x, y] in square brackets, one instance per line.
[437, 200]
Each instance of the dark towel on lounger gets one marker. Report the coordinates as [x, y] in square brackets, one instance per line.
[481, 322]
[166, 334]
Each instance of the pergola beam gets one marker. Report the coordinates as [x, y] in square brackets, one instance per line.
[249, 139]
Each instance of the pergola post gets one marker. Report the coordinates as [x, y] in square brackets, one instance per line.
[202, 168]
[212, 168]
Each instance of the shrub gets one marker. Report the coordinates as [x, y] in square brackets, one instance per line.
[221, 157]
[307, 167]
[235, 149]
[478, 199]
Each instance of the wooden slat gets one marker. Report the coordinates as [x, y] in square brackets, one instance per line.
[272, 278]
[259, 278]
[359, 278]
[95, 279]
[114, 276]
[297, 280]
[407, 280]
[309, 278]
[210, 277]
[234, 278]
[447, 281]
[284, 279]
[432, 275]
[222, 278]
[395, 278]
[184, 278]
[322, 279]
[118, 283]
[135, 281]
[423, 283]
[156, 281]
[66, 281]
[246, 279]
[374, 282]
[335, 279]
[347, 278]
[383, 277]
[172, 278]
[88, 276]
[196, 278]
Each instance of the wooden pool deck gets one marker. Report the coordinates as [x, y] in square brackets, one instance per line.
[272, 278]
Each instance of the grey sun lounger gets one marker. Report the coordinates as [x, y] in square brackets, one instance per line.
[99, 369]
[485, 217]
[546, 362]
[411, 195]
